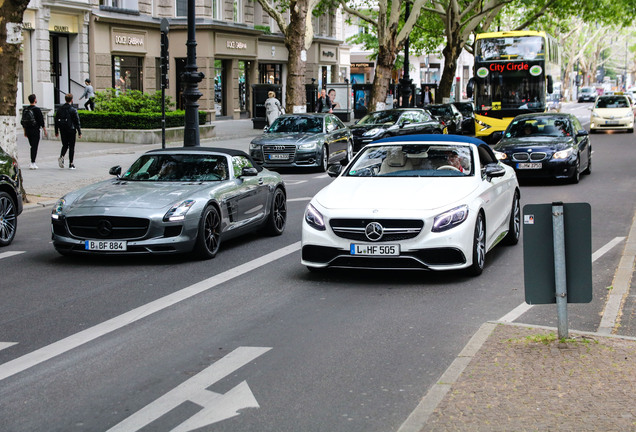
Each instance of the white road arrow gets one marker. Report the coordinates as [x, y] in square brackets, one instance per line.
[215, 406]
[4, 345]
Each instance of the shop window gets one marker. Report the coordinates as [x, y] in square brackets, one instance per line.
[181, 8]
[269, 73]
[131, 5]
[127, 73]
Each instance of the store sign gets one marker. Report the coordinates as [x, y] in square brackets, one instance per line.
[361, 65]
[60, 23]
[328, 54]
[127, 41]
[28, 20]
[234, 44]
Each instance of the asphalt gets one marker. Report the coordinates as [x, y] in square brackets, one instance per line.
[509, 377]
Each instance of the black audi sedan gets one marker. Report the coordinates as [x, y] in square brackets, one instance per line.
[393, 122]
[546, 145]
[448, 115]
[10, 197]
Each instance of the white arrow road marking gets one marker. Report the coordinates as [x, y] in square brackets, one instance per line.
[299, 199]
[216, 406]
[62, 346]
[10, 254]
[4, 345]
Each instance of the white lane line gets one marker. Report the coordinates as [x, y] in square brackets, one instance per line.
[64, 345]
[10, 254]
[4, 345]
[321, 176]
[294, 182]
[299, 199]
[525, 307]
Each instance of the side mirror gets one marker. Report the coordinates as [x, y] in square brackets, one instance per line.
[116, 171]
[404, 123]
[469, 88]
[266, 129]
[249, 172]
[496, 136]
[334, 170]
[550, 84]
[494, 170]
[582, 133]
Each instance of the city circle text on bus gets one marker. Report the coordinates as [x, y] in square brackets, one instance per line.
[500, 67]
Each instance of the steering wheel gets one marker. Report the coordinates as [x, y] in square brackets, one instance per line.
[448, 167]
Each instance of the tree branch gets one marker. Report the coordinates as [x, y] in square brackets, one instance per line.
[278, 17]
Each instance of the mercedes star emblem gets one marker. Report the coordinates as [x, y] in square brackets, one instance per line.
[374, 231]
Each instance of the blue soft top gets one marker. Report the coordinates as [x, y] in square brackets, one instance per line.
[432, 137]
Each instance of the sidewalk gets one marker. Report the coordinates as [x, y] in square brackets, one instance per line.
[510, 377]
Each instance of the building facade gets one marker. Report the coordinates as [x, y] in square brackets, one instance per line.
[116, 43]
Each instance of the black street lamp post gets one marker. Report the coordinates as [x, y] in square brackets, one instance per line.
[192, 78]
[405, 82]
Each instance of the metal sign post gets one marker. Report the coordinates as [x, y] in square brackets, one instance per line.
[560, 279]
[165, 65]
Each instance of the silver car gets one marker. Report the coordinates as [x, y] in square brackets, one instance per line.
[171, 201]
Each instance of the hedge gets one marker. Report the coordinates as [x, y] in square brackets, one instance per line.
[129, 120]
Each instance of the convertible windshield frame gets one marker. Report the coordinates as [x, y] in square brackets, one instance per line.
[414, 160]
[178, 167]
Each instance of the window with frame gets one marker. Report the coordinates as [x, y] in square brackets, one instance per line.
[119, 4]
[238, 11]
[181, 8]
[217, 10]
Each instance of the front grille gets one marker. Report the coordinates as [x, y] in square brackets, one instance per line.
[107, 227]
[393, 229]
[524, 157]
[279, 153]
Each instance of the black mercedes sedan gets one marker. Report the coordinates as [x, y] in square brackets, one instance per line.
[546, 145]
[393, 122]
[449, 115]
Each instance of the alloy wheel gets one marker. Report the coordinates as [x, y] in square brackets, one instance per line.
[8, 219]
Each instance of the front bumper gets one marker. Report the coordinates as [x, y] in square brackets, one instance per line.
[294, 159]
[597, 123]
[549, 169]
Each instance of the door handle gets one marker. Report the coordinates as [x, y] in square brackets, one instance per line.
[260, 181]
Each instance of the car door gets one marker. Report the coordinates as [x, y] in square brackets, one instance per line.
[407, 123]
[337, 137]
[251, 193]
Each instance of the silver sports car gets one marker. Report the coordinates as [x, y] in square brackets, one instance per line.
[170, 201]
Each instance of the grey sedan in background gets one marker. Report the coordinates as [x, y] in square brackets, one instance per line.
[303, 140]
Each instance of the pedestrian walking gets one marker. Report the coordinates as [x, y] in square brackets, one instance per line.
[273, 108]
[89, 94]
[32, 121]
[67, 124]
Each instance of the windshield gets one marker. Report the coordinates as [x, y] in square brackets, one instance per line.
[612, 102]
[510, 48]
[380, 117]
[297, 124]
[178, 168]
[514, 90]
[439, 110]
[414, 160]
[465, 108]
[552, 126]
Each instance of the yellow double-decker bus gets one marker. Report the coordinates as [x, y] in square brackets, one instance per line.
[513, 74]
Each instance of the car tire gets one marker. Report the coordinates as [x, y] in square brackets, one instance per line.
[576, 175]
[588, 169]
[277, 219]
[209, 237]
[324, 158]
[8, 219]
[514, 226]
[479, 247]
[349, 152]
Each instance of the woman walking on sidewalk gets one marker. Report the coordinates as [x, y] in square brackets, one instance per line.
[68, 124]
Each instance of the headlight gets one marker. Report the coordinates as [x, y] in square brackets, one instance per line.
[372, 132]
[500, 155]
[58, 208]
[314, 218]
[178, 211]
[450, 219]
[563, 154]
[308, 146]
[254, 146]
[483, 125]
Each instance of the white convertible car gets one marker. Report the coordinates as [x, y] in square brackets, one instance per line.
[432, 202]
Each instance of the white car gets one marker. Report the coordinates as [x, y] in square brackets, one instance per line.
[612, 112]
[431, 202]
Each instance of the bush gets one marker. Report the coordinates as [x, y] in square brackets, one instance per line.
[132, 120]
[132, 101]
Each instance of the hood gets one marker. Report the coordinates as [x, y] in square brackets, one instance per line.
[394, 192]
[125, 194]
[610, 113]
[283, 138]
[360, 129]
[535, 143]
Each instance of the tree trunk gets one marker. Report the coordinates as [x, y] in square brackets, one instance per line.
[382, 78]
[451, 54]
[11, 13]
[296, 97]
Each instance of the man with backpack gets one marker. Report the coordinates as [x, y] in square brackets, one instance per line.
[67, 124]
[32, 121]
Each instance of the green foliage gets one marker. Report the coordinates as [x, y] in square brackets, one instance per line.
[264, 28]
[133, 101]
[131, 120]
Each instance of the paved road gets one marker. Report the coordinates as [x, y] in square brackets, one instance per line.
[150, 341]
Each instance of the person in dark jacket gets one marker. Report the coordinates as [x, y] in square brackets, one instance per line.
[67, 123]
[324, 103]
[33, 132]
